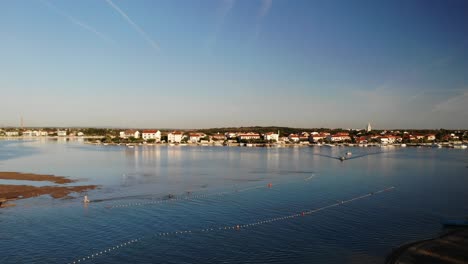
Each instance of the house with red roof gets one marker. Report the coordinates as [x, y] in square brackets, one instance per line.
[271, 136]
[195, 137]
[248, 136]
[175, 137]
[151, 134]
[130, 133]
[294, 137]
[339, 137]
[218, 136]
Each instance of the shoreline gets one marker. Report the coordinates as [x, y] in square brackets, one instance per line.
[283, 145]
[461, 144]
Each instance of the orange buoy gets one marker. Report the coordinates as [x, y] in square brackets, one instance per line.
[302, 213]
[269, 185]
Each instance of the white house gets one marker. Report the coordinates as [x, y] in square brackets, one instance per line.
[130, 133]
[271, 136]
[175, 137]
[230, 135]
[151, 134]
[293, 138]
[11, 133]
[384, 140]
[248, 136]
[27, 133]
[80, 134]
[316, 137]
[61, 133]
[195, 137]
[218, 136]
[339, 137]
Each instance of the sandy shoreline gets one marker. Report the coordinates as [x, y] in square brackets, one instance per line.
[10, 192]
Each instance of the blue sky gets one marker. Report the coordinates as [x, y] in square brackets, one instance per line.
[197, 64]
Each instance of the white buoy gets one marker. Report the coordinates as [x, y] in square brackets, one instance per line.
[86, 200]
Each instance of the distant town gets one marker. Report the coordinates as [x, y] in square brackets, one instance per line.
[251, 136]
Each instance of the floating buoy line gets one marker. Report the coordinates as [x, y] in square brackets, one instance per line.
[196, 197]
[225, 228]
[190, 197]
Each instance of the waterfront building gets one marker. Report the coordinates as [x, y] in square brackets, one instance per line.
[175, 137]
[230, 135]
[316, 137]
[195, 137]
[304, 136]
[361, 140]
[248, 136]
[80, 134]
[271, 136]
[384, 140]
[339, 137]
[419, 136]
[27, 133]
[389, 139]
[61, 133]
[151, 134]
[129, 133]
[218, 136]
[294, 138]
[11, 133]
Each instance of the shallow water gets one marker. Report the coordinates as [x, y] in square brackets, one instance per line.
[151, 190]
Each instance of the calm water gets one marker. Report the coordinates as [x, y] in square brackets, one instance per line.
[132, 203]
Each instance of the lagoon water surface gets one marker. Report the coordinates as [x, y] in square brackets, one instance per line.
[161, 204]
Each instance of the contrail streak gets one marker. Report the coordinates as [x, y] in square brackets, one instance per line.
[76, 21]
[134, 25]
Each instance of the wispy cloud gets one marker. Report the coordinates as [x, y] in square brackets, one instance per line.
[134, 25]
[225, 7]
[76, 21]
[456, 104]
[265, 8]
[221, 13]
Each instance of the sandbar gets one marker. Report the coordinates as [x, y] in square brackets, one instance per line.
[10, 192]
[8, 175]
